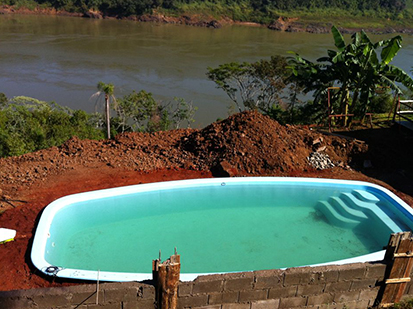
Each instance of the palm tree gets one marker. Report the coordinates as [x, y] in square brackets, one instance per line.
[107, 90]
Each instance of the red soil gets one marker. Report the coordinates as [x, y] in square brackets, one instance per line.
[246, 144]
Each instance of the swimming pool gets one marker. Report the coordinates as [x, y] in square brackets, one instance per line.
[217, 225]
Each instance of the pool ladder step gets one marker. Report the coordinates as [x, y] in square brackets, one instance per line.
[348, 209]
[335, 217]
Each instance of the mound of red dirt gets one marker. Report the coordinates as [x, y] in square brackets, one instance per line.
[244, 144]
[251, 143]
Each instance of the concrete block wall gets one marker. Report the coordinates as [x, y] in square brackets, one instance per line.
[324, 287]
[126, 295]
[346, 286]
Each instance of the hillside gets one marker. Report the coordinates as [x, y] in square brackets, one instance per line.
[245, 144]
[300, 15]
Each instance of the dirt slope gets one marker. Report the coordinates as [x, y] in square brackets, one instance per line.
[244, 144]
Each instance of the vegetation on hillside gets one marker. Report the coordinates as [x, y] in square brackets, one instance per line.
[27, 124]
[263, 11]
[364, 81]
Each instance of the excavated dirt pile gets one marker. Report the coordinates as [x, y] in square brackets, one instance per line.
[250, 143]
[244, 144]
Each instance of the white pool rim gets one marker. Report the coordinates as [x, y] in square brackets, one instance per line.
[42, 231]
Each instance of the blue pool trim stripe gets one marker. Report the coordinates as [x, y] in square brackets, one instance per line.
[42, 231]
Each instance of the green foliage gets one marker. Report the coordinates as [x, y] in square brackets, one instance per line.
[258, 85]
[27, 125]
[262, 11]
[406, 304]
[139, 112]
[356, 69]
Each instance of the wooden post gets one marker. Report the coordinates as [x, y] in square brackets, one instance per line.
[166, 278]
[399, 259]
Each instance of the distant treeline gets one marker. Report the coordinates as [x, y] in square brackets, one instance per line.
[252, 10]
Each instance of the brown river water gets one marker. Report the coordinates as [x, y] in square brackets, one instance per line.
[62, 59]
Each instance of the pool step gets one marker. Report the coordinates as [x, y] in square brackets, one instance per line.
[351, 208]
[345, 210]
[335, 217]
[371, 209]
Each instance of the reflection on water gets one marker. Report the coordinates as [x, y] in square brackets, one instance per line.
[63, 58]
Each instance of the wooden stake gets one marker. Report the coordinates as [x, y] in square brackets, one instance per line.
[399, 261]
[97, 289]
[166, 278]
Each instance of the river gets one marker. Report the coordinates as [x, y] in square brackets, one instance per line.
[62, 59]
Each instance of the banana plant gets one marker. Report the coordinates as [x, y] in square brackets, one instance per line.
[356, 68]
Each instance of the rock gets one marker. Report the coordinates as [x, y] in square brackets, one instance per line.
[320, 161]
[224, 169]
[321, 148]
[93, 14]
[214, 24]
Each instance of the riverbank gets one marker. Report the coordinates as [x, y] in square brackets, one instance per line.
[285, 24]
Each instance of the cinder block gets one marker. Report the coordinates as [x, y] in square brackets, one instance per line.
[193, 301]
[56, 297]
[266, 304]
[317, 300]
[346, 296]
[245, 296]
[352, 271]
[238, 284]
[328, 276]
[288, 291]
[205, 287]
[310, 289]
[121, 294]
[341, 286]
[230, 297]
[184, 289]
[146, 291]
[268, 282]
[369, 294]
[210, 307]
[362, 284]
[359, 304]
[215, 298]
[16, 302]
[375, 271]
[144, 304]
[236, 306]
[85, 298]
[269, 273]
[214, 277]
[292, 302]
[222, 298]
[299, 275]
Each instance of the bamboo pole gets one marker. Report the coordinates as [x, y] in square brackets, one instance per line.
[166, 277]
[399, 260]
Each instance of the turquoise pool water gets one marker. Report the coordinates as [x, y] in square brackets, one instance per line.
[220, 226]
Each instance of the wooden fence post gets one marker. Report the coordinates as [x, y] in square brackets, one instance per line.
[399, 259]
[166, 278]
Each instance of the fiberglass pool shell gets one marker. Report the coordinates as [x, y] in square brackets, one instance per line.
[116, 233]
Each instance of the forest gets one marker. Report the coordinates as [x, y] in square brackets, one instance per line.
[262, 11]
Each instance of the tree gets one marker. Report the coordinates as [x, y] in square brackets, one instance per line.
[27, 125]
[107, 91]
[260, 85]
[355, 68]
[139, 111]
